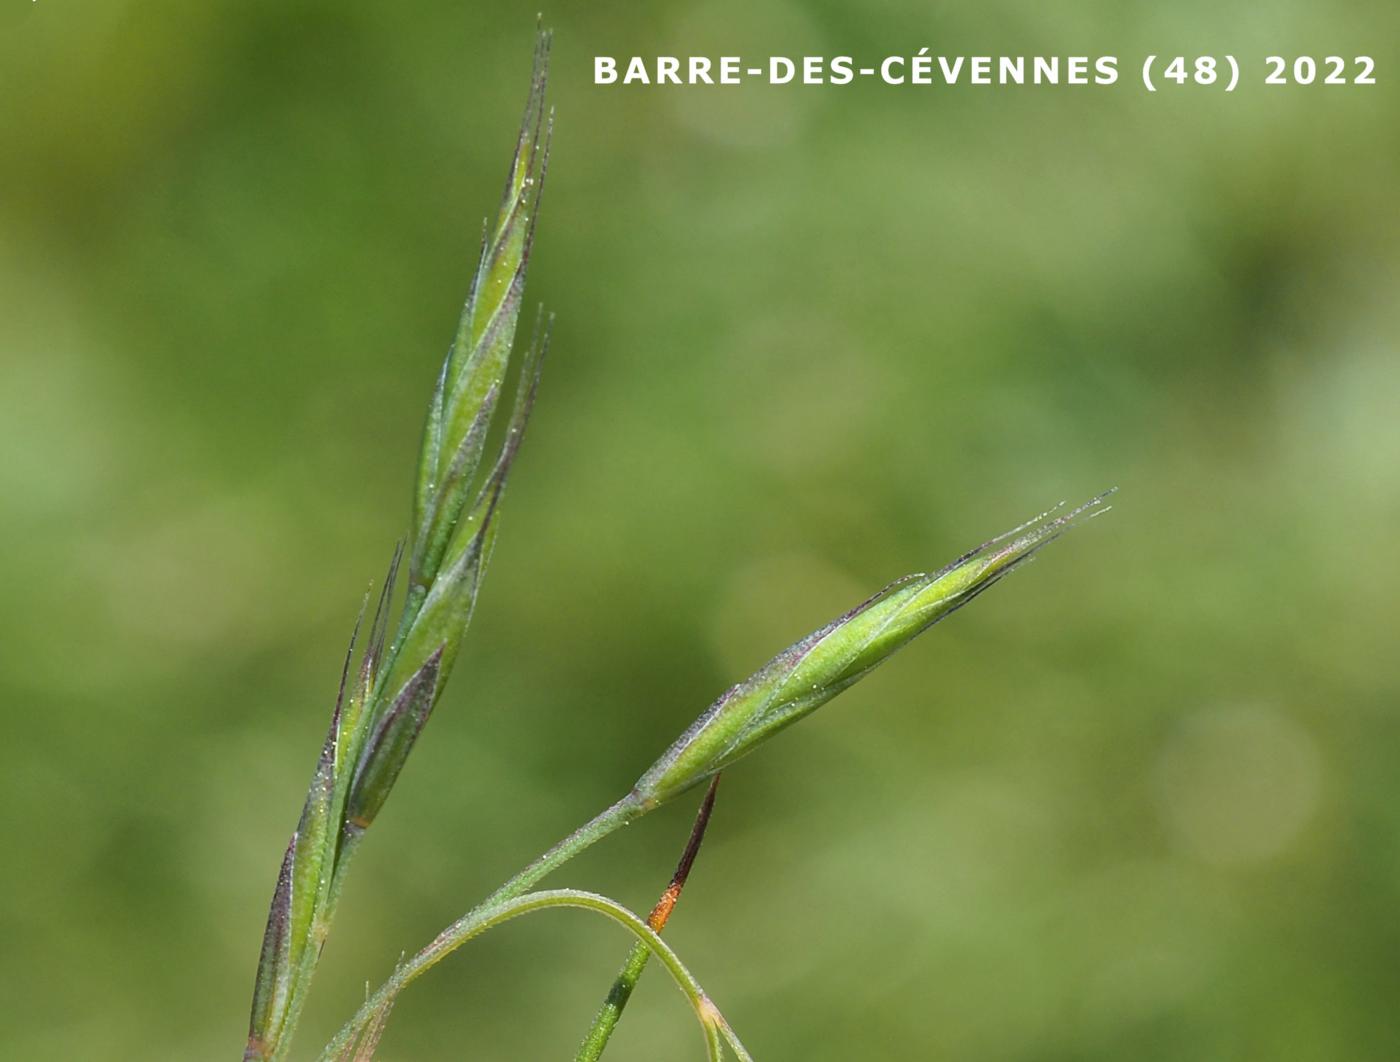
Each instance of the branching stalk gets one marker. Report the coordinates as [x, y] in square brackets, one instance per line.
[485, 917]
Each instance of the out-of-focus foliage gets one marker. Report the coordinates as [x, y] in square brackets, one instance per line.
[1141, 802]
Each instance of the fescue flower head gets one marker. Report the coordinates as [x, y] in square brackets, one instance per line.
[808, 674]
[383, 706]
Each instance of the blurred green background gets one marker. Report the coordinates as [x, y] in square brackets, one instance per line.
[1140, 802]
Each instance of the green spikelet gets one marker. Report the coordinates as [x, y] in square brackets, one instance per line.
[808, 674]
[381, 711]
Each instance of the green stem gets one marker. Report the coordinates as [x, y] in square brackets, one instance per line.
[610, 1013]
[479, 917]
[717, 1030]
[590, 833]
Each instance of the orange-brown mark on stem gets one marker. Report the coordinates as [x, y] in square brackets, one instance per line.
[664, 906]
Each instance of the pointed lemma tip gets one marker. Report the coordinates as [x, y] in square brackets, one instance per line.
[1095, 506]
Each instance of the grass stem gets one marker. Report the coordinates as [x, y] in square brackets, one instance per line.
[611, 1011]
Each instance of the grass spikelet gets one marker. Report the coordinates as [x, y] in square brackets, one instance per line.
[379, 715]
[815, 669]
